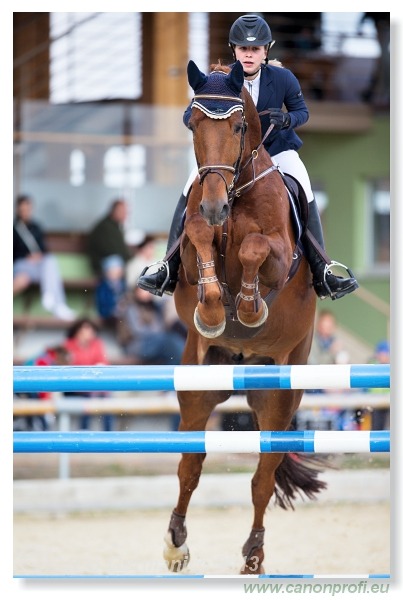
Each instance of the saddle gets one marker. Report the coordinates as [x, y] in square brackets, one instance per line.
[298, 204]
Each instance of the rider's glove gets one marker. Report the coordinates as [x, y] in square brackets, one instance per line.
[280, 119]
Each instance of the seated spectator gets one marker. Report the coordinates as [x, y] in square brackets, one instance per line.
[150, 333]
[87, 348]
[144, 331]
[34, 264]
[327, 349]
[52, 356]
[109, 254]
[144, 255]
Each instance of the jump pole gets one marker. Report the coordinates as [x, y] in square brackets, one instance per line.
[201, 441]
[200, 377]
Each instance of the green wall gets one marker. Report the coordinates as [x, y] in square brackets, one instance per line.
[343, 163]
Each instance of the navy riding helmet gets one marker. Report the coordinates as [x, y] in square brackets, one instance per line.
[250, 30]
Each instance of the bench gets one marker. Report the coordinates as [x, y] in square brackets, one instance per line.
[78, 279]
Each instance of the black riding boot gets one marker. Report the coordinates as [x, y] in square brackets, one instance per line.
[326, 285]
[164, 279]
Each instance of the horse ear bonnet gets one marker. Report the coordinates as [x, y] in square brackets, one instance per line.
[235, 79]
[217, 83]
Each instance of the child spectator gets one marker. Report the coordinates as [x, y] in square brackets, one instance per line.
[87, 348]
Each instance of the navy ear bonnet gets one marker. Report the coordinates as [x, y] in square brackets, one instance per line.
[217, 83]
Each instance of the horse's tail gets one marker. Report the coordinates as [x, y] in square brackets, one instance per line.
[298, 474]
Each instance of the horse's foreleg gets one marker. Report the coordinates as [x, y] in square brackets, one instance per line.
[209, 316]
[254, 250]
[196, 408]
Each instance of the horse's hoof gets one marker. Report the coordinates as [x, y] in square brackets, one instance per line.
[176, 558]
[263, 318]
[205, 330]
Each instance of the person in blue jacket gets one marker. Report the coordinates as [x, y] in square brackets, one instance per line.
[271, 86]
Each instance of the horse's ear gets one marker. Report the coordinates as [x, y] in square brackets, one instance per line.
[235, 79]
[195, 77]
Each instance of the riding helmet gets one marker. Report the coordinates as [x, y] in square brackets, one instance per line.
[250, 30]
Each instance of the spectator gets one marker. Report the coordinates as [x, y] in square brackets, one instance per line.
[380, 418]
[52, 356]
[145, 332]
[33, 263]
[149, 332]
[144, 255]
[109, 253]
[87, 348]
[327, 349]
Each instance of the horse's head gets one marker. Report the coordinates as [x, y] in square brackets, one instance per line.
[218, 126]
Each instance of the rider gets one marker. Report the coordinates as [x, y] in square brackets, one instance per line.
[270, 86]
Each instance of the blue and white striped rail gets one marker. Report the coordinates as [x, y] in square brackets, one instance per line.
[202, 441]
[213, 377]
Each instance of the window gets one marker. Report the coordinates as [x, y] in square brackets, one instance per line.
[379, 224]
[125, 167]
[95, 56]
[77, 167]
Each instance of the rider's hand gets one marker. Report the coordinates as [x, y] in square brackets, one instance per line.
[280, 119]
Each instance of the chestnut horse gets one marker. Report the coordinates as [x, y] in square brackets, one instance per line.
[239, 295]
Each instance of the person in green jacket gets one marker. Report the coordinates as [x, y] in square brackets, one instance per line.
[109, 254]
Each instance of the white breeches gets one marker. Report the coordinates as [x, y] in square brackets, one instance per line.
[290, 162]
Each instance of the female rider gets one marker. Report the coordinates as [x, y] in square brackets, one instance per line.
[271, 86]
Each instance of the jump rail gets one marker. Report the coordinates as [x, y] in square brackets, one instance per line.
[189, 377]
[202, 441]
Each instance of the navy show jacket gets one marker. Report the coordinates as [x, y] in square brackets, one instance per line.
[278, 87]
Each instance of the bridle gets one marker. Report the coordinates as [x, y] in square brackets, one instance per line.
[217, 169]
[232, 191]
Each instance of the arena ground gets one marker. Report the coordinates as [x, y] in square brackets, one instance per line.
[329, 538]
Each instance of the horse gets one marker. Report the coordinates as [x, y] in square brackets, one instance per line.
[244, 292]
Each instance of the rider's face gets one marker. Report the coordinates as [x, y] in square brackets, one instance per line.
[251, 57]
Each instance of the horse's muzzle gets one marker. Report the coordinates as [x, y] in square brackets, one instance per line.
[214, 213]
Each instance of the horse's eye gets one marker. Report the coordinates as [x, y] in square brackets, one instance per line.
[190, 126]
[237, 127]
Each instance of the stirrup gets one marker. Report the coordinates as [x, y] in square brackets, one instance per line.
[327, 270]
[162, 263]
